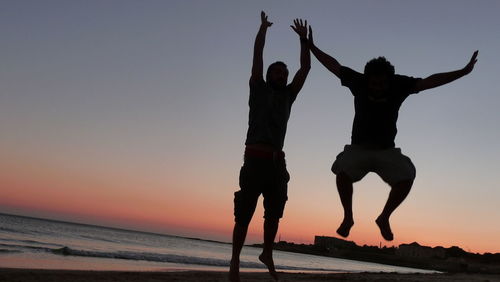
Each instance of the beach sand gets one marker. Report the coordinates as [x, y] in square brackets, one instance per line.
[28, 275]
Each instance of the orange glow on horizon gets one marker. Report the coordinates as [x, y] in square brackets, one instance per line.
[97, 198]
[221, 230]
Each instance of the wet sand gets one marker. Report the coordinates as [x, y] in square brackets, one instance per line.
[29, 275]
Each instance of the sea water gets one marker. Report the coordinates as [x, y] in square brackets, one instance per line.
[41, 243]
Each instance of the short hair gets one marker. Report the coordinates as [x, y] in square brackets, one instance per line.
[277, 63]
[379, 66]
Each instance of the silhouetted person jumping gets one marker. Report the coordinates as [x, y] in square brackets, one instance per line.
[264, 169]
[378, 94]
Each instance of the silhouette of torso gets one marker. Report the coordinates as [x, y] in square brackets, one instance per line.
[375, 118]
[268, 115]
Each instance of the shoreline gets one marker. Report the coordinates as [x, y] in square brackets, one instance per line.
[31, 275]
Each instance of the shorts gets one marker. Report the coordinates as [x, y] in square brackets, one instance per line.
[261, 176]
[390, 164]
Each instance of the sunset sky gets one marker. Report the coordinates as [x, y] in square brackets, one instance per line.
[134, 114]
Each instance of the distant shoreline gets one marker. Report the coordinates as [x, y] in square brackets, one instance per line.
[460, 263]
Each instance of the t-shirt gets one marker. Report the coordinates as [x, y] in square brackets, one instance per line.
[269, 113]
[375, 119]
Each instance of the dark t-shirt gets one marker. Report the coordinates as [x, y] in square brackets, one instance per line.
[269, 113]
[375, 119]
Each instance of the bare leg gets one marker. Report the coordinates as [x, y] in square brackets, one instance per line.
[399, 191]
[270, 230]
[239, 235]
[344, 187]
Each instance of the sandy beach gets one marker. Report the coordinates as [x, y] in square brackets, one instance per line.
[27, 275]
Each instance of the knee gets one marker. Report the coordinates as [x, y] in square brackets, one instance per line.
[242, 217]
[244, 207]
[273, 211]
[343, 180]
[404, 185]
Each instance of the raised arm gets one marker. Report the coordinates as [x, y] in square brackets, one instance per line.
[305, 56]
[326, 60]
[258, 48]
[439, 79]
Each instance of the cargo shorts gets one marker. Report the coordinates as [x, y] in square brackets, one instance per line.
[390, 164]
[268, 177]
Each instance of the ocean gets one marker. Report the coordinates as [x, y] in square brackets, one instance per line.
[27, 242]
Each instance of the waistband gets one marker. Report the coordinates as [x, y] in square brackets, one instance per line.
[261, 154]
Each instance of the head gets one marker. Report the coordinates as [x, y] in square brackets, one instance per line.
[277, 75]
[379, 72]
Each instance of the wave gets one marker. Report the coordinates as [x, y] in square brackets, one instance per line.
[170, 258]
[32, 248]
[8, 251]
[66, 251]
[10, 230]
[29, 232]
[144, 256]
[29, 242]
[98, 238]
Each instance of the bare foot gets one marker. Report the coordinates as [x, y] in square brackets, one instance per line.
[234, 272]
[345, 227]
[385, 228]
[268, 261]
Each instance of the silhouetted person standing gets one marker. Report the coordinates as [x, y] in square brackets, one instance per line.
[378, 94]
[264, 169]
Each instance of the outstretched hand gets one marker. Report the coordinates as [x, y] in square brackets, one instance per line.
[264, 21]
[300, 28]
[470, 66]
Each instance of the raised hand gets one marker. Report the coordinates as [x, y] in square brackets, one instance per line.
[300, 28]
[264, 21]
[258, 48]
[470, 66]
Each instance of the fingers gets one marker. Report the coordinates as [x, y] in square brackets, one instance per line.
[472, 61]
[470, 66]
[263, 19]
[300, 23]
[474, 56]
[300, 27]
[297, 23]
[263, 16]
